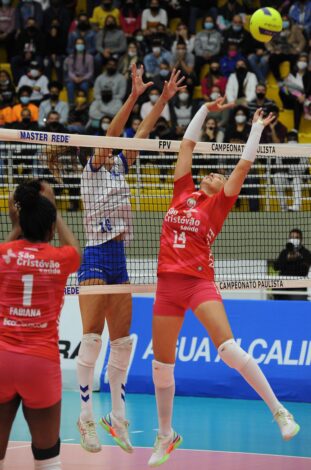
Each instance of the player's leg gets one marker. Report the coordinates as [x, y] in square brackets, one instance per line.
[44, 426]
[7, 414]
[119, 317]
[93, 310]
[214, 318]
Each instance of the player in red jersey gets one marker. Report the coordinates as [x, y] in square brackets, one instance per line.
[186, 279]
[33, 275]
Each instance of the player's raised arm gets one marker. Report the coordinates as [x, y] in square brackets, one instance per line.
[16, 231]
[192, 135]
[235, 181]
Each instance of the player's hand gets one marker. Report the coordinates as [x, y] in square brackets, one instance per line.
[258, 117]
[218, 105]
[138, 86]
[47, 191]
[13, 211]
[173, 85]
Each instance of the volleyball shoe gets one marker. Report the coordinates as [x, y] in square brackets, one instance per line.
[118, 430]
[163, 447]
[89, 439]
[288, 426]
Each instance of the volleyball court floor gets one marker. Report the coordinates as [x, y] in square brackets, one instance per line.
[218, 433]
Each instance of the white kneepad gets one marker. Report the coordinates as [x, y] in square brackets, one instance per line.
[163, 374]
[120, 353]
[90, 347]
[233, 355]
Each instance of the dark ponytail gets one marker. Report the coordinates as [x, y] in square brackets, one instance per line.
[36, 213]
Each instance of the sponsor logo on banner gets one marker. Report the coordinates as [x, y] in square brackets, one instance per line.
[45, 137]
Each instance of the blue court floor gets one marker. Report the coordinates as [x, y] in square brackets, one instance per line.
[238, 426]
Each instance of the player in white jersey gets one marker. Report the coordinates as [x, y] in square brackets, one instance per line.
[108, 224]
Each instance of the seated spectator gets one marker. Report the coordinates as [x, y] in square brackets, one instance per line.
[163, 35]
[300, 14]
[261, 101]
[229, 60]
[183, 60]
[259, 62]
[227, 11]
[54, 57]
[7, 89]
[128, 59]
[38, 82]
[183, 110]
[55, 104]
[236, 34]
[130, 18]
[207, 44]
[27, 160]
[53, 124]
[213, 77]
[290, 175]
[24, 101]
[130, 131]
[296, 87]
[83, 30]
[57, 15]
[212, 132]
[285, 46]
[223, 116]
[111, 80]
[100, 127]
[28, 9]
[79, 113]
[141, 42]
[80, 70]
[276, 132]
[153, 60]
[104, 105]
[182, 33]
[29, 45]
[146, 107]
[162, 76]
[7, 27]
[152, 16]
[26, 122]
[110, 42]
[101, 12]
[241, 85]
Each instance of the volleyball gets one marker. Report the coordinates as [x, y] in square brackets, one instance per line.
[264, 23]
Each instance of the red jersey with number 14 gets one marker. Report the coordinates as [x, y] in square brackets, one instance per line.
[32, 281]
[189, 229]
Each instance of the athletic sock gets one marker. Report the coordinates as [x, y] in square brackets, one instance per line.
[120, 353]
[49, 464]
[256, 379]
[88, 353]
[165, 400]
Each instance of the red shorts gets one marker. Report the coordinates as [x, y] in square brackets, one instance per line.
[178, 292]
[35, 379]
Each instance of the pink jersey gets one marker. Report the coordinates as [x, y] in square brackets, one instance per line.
[32, 281]
[189, 229]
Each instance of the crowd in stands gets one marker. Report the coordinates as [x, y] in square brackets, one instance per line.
[53, 46]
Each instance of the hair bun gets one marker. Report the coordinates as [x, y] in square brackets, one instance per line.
[27, 195]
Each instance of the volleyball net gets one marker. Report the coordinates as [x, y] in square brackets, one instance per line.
[275, 199]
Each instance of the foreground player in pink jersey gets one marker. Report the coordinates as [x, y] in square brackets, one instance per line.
[186, 279]
[33, 276]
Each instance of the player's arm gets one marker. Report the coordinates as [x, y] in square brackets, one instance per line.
[16, 231]
[120, 119]
[235, 181]
[192, 135]
[169, 90]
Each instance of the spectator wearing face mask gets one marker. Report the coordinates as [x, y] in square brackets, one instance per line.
[101, 12]
[78, 114]
[182, 34]
[236, 34]
[83, 30]
[80, 73]
[38, 82]
[153, 98]
[130, 18]
[214, 77]
[53, 103]
[153, 16]
[183, 60]
[110, 43]
[222, 117]
[183, 110]
[130, 131]
[130, 57]
[241, 84]
[105, 104]
[294, 260]
[275, 132]
[54, 57]
[162, 76]
[261, 101]
[207, 44]
[111, 80]
[26, 123]
[229, 60]
[100, 127]
[28, 9]
[57, 15]
[153, 60]
[23, 96]
[300, 14]
[7, 90]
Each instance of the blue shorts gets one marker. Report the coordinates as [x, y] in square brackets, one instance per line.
[106, 262]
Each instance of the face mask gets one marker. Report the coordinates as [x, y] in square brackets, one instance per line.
[83, 26]
[285, 24]
[110, 26]
[31, 29]
[106, 96]
[111, 70]
[292, 142]
[240, 119]
[24, 99]
[183, 96]
[34, 73]
[53, 126]
[104, 125]
[94, 123]
[164, 73]
[139, 38]
[260, 95]
[214, 95]
[236, 28]
[153, 98]
[156, 50]
[80, 47]
[241, 71]
[80, 100]
[208, 25]
[106, 5]
[4, 82]
[154, 9]
[6, 2]
[232, 53]
[302, 65]
[132, 53]
[295, 242]
[215, 71]
[26, 120]
[53, 96]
